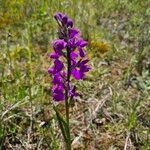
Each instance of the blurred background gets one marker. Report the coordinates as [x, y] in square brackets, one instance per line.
[117, 89]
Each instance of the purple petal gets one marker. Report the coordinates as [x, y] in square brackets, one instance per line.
[58, 16]
[85, 61]
[54, 55]
[58, 65]
[58, 96]
[82, 43]
[81, 52]
[57, 92]
[76, 74]
[70, 23]
[71, 43]
[57, 79]
[64, 19]
[82, 63]
[85, 68]
[61, 17]
[73, 32]
[51, 70]
[73, 55]
[58, 45]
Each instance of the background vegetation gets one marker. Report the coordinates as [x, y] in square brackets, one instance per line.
[113, 109]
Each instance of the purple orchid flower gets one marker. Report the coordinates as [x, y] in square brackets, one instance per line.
[69, 46]
[59, 45]
[57, 93]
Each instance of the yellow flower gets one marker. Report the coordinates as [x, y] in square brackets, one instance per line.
[98, 48]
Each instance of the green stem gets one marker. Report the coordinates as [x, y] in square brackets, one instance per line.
[68, 144]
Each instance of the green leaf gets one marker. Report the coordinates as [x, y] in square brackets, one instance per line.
[63, 125]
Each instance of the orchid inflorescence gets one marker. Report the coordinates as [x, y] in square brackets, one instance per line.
[69, 59]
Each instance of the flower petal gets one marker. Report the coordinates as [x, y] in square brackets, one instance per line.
[76, 74]
[51, 70]
[57, 79]
[73, 32]
[64, 19]
[59, 45]
[73, 55]
[54, 55]
[82, 43]
[58, 66]
[58, 16]
[81, 52]
[70, 23]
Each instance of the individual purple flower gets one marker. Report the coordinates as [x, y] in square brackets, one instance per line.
[57, 79]
[58, 66]
[75, 42]
[59, 45]
[57, 92]
[78, 72]
[72, 43]
[59, 96]
[81, 44]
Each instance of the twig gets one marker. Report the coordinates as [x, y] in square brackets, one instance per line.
[126, 142]
[39, 144]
